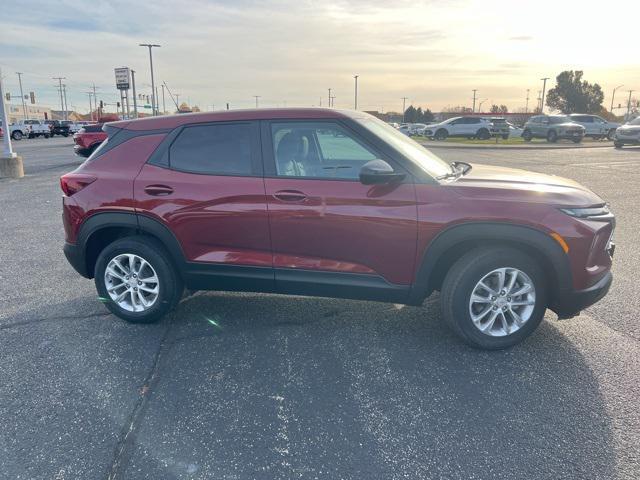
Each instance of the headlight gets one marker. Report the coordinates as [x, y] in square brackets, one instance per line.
[591, 212]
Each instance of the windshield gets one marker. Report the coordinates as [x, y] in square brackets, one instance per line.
[635, 121]
[419, 155]
[559, 119]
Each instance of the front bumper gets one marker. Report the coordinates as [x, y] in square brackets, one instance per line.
[75, 256]
[571, 303]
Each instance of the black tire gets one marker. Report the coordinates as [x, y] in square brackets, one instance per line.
[618, 144]
[552, 136]
[462, 279]
[65, 134]
[16, 135]
[611, 133]
[505, 137]
[46, 135]
[483, 134]
[441, 134]
[576, 140]
[527, 135]
[169, 281]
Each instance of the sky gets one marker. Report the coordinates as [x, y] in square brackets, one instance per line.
[291, 51]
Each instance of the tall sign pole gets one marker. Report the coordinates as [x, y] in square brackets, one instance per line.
[123, 78]
[10, 163]
[154, 96]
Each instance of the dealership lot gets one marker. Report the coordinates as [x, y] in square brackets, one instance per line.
[259, 386]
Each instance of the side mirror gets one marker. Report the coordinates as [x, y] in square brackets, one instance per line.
[379, 172]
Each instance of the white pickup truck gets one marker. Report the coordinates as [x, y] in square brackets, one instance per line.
[29, 129]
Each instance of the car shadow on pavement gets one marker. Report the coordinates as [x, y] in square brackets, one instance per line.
[260, 386]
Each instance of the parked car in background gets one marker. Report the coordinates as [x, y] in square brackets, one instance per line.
[553, 128]
[168, 203]
[74, 127]
[58, 128]
[627, 134]
[499, 127]
[595, 126]
[88, 139]
[417, 129]
[405, 129]
[470, 127]
[29, 129]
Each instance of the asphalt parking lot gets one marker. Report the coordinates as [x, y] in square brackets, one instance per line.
[243, 386]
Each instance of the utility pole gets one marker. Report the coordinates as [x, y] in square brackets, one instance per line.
[60, 90]
[404, 104]
[66, 109]
[256, 97]
[544, 89]
[90, 105]
[329, 98]
[480, 105]
[95, 101]
[333, 101]
[153, 85]
[526, 107]
[135, 99]
[164, 108]
[178, 101]
[10, 163]
[629, 105]
[355, 103]
[24, 105]
[473, 109]
[613, 95]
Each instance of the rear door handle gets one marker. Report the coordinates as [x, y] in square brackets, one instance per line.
[158, 190]
[290, 196]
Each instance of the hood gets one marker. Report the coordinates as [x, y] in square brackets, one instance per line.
[510, 184]
[629, 128]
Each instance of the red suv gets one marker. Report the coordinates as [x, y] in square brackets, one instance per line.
[88, 138]
[329, 203]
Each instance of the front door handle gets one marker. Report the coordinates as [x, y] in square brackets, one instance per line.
[158, 190]
[290, 196]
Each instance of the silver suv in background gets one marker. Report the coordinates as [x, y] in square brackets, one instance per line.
[470, 127]
[595, 126]
[628, 134]
[553, 128]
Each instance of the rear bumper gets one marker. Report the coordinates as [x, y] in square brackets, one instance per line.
[571, 303]
[75, 256]
[82, 151]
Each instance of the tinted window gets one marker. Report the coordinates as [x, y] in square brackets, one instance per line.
[472, 120]
[318, 150]
[213, 149]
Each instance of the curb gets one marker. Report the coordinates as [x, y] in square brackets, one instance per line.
[433, 145]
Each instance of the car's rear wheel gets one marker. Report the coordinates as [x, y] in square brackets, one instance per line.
[494, 298]
[618, 144]
[611, 134]
[441, 134]
[17, 135]
[483, 134]
[552, 136]
[136, 280]
[576, 140]
[527, 135]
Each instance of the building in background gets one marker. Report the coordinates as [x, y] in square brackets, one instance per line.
[34, 112]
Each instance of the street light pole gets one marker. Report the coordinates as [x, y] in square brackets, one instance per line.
[355, 103]
[329, 104]
[544, 89]
[629, 105]
[526, 107]
[404, 107]
[153, 85]
[24, 105]
[613, 95]
[66, 109]
[135, 99]
[256, 97]
[164, 107]
[473, 109]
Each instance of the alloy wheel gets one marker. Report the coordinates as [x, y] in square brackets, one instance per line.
[131, 282]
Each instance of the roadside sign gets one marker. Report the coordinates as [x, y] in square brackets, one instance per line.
[122, 78]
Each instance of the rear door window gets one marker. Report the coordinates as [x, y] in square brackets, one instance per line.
[225, 149]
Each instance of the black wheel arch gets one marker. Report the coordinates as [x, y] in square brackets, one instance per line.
[455, 241]
[103, 228]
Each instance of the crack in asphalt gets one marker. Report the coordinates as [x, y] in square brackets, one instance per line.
[51, 319]
[135, 417]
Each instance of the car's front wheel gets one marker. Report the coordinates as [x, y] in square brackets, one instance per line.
[527, 135]
[16, 135]
[441, 134]
[611, 134]
[136, 279]
[483, 134]
[494, 298]
[552, 136]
